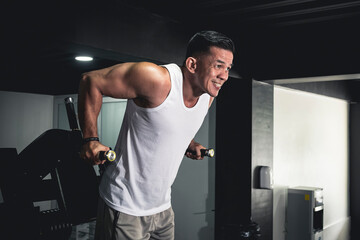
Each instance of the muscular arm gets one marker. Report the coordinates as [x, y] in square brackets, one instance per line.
[146, 83]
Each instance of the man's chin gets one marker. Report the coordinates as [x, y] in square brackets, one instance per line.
[214, 93]
[213, 96]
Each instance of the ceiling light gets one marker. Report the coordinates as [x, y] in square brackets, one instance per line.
[84, 58]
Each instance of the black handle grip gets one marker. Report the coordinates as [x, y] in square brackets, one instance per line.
[210, 152]
[109, 155]
[71, 113]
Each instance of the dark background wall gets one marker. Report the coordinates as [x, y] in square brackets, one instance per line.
[279, 39]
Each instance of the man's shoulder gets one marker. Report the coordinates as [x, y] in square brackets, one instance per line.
[151, 72]
[154, 83]
[149, 67]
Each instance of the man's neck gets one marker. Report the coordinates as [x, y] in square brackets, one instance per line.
[190, 95]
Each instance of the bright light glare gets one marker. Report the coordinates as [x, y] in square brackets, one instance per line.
[84, 58]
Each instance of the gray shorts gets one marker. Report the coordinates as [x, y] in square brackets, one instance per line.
[114, 225]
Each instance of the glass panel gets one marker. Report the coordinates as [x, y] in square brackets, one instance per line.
[112, 114]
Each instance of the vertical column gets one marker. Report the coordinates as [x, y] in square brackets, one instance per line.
[244, 133]
[233, 158]
[262, 155]
[354, 169]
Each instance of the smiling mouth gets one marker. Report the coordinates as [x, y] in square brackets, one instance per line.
[217, 85]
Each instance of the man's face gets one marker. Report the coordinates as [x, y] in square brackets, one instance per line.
[213, 69]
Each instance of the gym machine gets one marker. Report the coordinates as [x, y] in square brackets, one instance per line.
[73, 184]
[305, 213]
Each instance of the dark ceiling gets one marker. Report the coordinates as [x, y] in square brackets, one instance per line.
[274, 39]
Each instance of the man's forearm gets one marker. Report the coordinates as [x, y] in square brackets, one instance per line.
[89, 105]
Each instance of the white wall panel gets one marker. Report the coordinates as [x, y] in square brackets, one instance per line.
[311, 149]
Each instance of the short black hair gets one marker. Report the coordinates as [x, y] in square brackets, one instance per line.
[202, 41]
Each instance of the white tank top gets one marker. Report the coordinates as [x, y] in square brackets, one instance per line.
[150, 148]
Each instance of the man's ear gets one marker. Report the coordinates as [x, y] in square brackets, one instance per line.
[190, 64]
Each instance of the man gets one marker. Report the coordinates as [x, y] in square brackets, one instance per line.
[166, 107]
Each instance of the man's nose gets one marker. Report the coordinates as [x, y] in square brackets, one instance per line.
[224, 75]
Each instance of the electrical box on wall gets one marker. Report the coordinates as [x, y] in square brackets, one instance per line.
[266, 179]
[305, 214]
